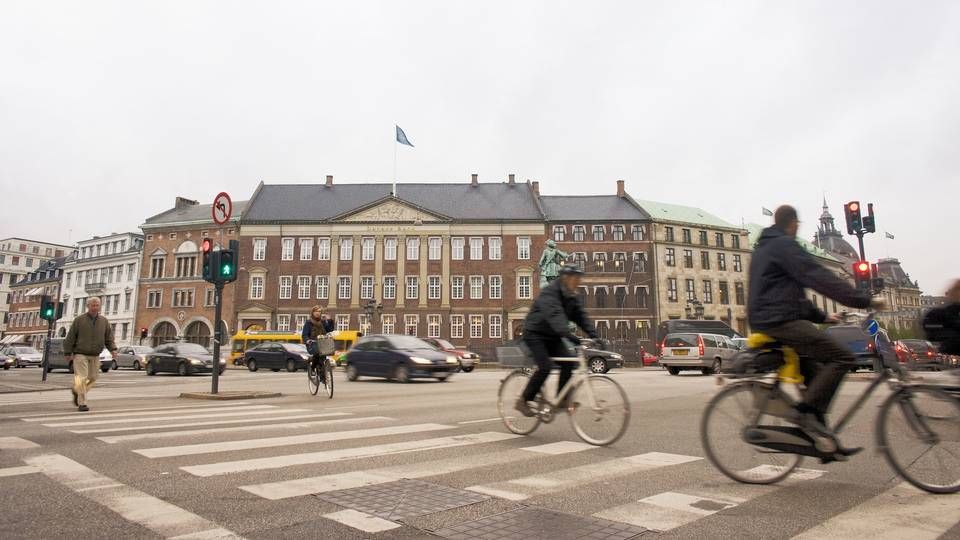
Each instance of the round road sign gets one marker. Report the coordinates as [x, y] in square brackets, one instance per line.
[222, 208]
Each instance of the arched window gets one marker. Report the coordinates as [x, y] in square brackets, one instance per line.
[198, 332]
[164, 332]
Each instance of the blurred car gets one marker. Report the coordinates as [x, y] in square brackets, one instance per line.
[704, 352]
[133, 356]
[466, 358]
[648, 359]
[292, 356]
[24, 355]
[181, 358]
[7, 361]
[398, 357]
[740, 343]
[600, 361]
[859, 342]
[56, 359]
[917, 353]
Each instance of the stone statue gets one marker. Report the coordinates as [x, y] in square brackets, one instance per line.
[550, 263]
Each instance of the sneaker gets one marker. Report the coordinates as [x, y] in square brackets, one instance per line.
[824, 439]
[83, 408]
[523, 406]
[76, 398]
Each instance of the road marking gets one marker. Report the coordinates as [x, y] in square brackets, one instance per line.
[362, 521]
[161, 517]
[246, 412]
[289, 425]
[208, 423]
[17, 471]
[523, 488]
[279, 462]
[125, 415]
[482, 421]
[900, 512]
[561, 447]
[273, 442]
[14, 399]
[16, 443]
[108, 411]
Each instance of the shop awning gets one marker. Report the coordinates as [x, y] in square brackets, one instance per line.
[36, 291]
[13, 338]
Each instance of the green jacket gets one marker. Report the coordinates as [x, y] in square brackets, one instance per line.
[89, 336]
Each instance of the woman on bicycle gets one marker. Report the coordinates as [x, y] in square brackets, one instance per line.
[319, 324]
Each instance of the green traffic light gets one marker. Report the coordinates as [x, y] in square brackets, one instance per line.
[225, 270]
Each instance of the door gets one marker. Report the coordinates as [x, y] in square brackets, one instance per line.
[124, 358]
[161, 358]
[273, 356]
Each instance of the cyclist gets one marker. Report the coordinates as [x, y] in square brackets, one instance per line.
[318, 324]
[780, 271]
[545, 329]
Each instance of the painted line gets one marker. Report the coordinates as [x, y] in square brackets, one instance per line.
[362, 521]
[114, 421]
[60, 413]
[161, 517]
[74, 415]
[207, 423]
[113, 439]
[279, 462]
[273, 442]
[16, 443]
[562, 447]
[900, 512]
[482, 421]
[17, 471]
[523, 488]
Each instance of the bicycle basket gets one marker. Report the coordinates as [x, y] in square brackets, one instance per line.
[324, 346]
[514, 357]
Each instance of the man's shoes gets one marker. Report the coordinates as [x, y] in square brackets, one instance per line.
[824, 439]
[76, 398]
[83, 408]
[523, 407]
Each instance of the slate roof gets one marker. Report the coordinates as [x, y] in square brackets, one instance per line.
[591, 208]
[754, 230]
[192, 213]
[683, 214]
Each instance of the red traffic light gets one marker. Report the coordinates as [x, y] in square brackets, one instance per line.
[861, 269]
[854, 206]
[207, 245]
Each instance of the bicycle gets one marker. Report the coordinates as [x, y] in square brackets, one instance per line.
[321, 373]
[743, 449]
[594, 400]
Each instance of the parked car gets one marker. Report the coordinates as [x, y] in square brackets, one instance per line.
[917, 353]
[705, 352]
[466, 358]
[680, 326]
[7, 361]
[24, 355]
[181, 358]
[602, 361]
[740, 343]
[133, 356]
[56, 359]
[648, 359]
[397, 357]
[292, 356]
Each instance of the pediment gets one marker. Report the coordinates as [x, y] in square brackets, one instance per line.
[391, 210]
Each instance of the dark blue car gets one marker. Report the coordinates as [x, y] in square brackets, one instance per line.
[401, 358]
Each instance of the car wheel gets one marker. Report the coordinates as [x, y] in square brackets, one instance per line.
[182, 369]
[673, 370]
[468, 369]
[104, 369]
[598, 365]
[252, 364]
[275, 370]
[402, 374]
[136, 365]
[442, 377]
[352, 373]
[291, 365]
[714, 368]
[113, 365]
[151, 370]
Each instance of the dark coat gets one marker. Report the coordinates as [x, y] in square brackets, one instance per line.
[780, 271]
[942, 325]
[552, 312]
[311, 330]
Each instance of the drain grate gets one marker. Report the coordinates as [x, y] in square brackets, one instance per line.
[540, 524]
[403, 499]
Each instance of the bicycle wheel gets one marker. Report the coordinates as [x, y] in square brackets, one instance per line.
[511, 389]
[328, 377]
[313, 379]
[722, 427]
[919, 432]
[600, 410]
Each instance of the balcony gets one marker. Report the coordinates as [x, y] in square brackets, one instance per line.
[92, 288]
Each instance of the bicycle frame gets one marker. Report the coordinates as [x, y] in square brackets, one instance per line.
[580, 373]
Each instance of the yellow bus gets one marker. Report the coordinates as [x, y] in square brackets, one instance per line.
[246, 339]
[343, 340]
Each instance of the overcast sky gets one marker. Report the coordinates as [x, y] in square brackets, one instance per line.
[108, 110]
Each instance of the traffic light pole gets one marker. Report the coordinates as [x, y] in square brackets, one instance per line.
[46, 352]
[217, 334]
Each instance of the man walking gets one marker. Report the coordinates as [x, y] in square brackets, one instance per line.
[89, 334]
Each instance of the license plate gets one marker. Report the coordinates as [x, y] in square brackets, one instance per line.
[679, 352]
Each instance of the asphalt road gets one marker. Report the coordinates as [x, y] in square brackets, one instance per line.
[431, 459]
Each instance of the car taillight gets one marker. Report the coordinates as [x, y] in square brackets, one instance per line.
[700, 344]
[663, 345]
[929, 352]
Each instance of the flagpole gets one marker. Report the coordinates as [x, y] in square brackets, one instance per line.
[394, 165]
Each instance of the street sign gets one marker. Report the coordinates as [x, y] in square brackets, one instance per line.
[873, 327]
[222, 208]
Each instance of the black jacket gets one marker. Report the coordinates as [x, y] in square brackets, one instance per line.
[780, 271]
[311, 331]
[552, 311]
[942, 325]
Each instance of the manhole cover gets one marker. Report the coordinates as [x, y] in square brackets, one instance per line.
[402, 499]
[540, 524]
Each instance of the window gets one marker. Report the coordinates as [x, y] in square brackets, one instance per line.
[668, 234]
[639, 261]
[598, 231]
[323, 249]
[389, 288]
[433, 326]
[476, 287]
[286, 249]
[306, 249]
[259, 249]
[721, 261]
[286, 287]
[300, 321]
[456, 287]
[495, 244]
[283, 323]
[559, 232]
[456, 249]
[435, 249]
[323, 287]
[703, 238]
[691, 291]
[523, 288]
[123, 332]
[496, 287]
[707, 291]
[156, 268]
[208, 297]
[600, 297]
[66, 279]
[368, 249]
[496, 326]
[346, 249]
[638, 232]
[620, 296]
[579, 231]
[390, 249]
[671, 289]
[741, 293]
[343, 322]
[363, 322]
[643, 296]
[127, 297]
[366, 288]
[476, 249]
[688, 258]
[687, 239]
[724, 293]
[413, 248]
[523, 248]
[303, 287]
[343, 287]
[476, 326]
[433, 288]
[186, 267]
[737, 263]
[643, 330]
[705, 260]
[719, 236]
[671, 259]
[735, 241]
[130, 270]
[388, 323]
[181, 298]
[599, 261]
[456, 327]
[617, 232]
[154, 300]
[413, 287]
[410, 324]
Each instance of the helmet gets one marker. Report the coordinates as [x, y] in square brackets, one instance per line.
[570, 269]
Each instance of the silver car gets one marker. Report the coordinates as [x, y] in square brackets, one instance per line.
[705, 352]
[24, 355]
[133, 356]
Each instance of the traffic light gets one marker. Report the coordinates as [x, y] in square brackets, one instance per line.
[854, 221]
[861, 274]
[877, 280]
[143, 333]
[48, 309]
[208, 264]
[227, 266]
[869, 222]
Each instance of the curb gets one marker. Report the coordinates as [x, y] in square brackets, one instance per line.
[229, 396]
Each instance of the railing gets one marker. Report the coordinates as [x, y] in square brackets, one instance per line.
[94, 287]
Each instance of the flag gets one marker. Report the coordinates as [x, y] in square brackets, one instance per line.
[767, 212]
[888, 235]
[402, 137]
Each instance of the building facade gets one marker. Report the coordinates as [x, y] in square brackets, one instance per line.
[25, 324]
[173, 301]
[18, 257]
[905, 309]
[107, 267]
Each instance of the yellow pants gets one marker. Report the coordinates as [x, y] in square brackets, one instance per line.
[86, 369]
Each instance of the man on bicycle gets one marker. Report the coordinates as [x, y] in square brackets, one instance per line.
[546, 328]
[780, 271]
[319, 324]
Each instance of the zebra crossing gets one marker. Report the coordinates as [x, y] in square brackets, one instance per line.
[236, 441]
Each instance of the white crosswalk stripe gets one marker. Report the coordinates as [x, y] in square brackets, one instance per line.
[208, 423]
[112, 439]
[126, 416]
[130, 410]
[114, 421]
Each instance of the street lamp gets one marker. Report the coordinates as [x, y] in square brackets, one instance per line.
[371, 308]
[687, 311]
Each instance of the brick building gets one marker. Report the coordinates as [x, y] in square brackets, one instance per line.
[18, 257]
[173, 300]
[25, 324]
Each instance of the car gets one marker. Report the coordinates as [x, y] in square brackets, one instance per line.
[740, 343]
[24, 355]
[56, 359]
[917, 353]
[600, 361]
[467, 359]
[648, 359]
[133, 356]
[7, 361]
[273, 355]
[686, 351]
[690, 326]
[181, 358]
[400, 358]
[859, 342]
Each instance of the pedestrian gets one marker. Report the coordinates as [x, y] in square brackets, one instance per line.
[942, 324]
[89, 334]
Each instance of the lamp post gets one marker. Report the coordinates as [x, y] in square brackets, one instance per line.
[371, 308]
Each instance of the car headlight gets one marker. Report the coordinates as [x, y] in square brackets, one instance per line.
[616, 356]
[419, 360]
[451, 359]
[195, 361]
[305, 356]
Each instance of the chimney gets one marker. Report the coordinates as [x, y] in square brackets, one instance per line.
[536, 187]
[183, 202]
[621, 191]
[329, 180]
[511, 179]
[474, 179]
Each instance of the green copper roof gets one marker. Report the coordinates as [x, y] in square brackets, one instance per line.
[754, 230]
[683, 214]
